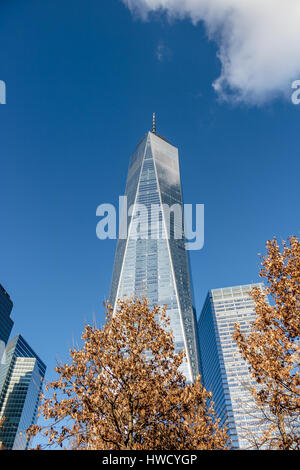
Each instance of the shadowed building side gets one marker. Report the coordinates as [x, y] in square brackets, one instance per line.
[6, 322]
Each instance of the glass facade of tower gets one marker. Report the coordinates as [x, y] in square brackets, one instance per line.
[21, 375]
[224, 372]
[155, 263]
[6, 322]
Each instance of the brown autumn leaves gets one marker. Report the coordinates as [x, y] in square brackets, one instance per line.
[2, 447]
[124, 389]
[273, 347]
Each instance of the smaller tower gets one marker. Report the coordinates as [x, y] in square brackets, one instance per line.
[21, 379]
[224, 371]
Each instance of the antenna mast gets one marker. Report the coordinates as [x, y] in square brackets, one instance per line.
[154, 124]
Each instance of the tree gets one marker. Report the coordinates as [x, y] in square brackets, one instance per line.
[272, 348]
[124, 390]
[2, 447]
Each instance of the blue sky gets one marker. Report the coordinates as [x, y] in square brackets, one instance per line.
[83, 79]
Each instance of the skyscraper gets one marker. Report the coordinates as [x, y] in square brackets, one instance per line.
[155, 264]
[21, 375]
[6, 322]
[224, 371]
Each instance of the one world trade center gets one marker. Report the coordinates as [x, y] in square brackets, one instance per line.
[155, 264]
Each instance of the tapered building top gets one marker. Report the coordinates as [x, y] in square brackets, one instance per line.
[151, 261]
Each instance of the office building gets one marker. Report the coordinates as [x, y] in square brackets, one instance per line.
[6, 322]
[21, 376]
[155, 262]
[224, 372]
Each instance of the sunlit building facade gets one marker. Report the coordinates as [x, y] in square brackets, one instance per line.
[224, 372]
[155, 262]
[21, 375]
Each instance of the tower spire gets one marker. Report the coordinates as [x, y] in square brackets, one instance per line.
[154, 124]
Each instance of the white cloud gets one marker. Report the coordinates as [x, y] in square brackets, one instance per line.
[258, 41]
[162, 52]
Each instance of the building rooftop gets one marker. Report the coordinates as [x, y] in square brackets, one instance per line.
[4, 291]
